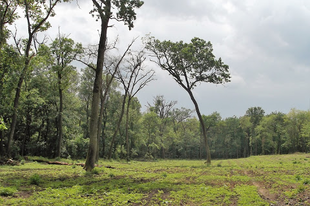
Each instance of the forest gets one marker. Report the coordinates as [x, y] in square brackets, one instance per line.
[52, 108]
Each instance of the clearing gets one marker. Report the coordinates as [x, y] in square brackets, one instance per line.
[257, 180]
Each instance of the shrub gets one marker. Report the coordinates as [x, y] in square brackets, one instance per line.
[298, 177]
[95, 171]
[164, 174]
[306, 182]
[7, 191]
[35, 179]
[111, 175]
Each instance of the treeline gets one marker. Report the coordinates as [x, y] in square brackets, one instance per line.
[45, 104]
[163, 131]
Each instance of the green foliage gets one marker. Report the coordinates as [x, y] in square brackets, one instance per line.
[247, 195]
[179, 182]
[306, 182]
[189, 63]
[125, 11]
[95, 171]
[298, 177]
[2, 124]
[7, 191]
[35, 179]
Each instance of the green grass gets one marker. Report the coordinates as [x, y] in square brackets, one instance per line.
[259, 180]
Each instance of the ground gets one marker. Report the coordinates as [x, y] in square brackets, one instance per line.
[258, 180]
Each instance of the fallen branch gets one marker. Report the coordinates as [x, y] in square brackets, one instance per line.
[65, 163]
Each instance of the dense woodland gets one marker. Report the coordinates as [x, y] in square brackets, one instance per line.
[46, 101]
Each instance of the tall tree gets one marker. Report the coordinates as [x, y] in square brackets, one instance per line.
[138, 79]
[112, 70]
[272, 133]
[150, 123]
[125, 11]
[190, 64]
[296, 125]
[85, 93]
[246, 127]
[255, 114]
[210, 121]
[61, 52]
[37, 13]
[163, 109]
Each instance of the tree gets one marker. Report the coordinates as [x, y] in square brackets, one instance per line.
[112, 71]
[246, 127]
[255, 114]
[103, 11]
[150, 123]
[210, 121]
[7, 16]
[9, 61]
[85, 93]
[271, 131]
[164, 110]
[37, 13]
[61, 53]
[190, 64]
[138, 79]
[297, 122]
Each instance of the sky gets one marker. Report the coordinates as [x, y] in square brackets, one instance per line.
[266, 45]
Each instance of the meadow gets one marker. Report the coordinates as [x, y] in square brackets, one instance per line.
[257, 180]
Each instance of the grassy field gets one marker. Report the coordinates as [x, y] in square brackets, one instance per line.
[260, 180]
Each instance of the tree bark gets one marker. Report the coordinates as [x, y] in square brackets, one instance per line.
[15, 106]
[93, 128]
[99, 132]
[60, 131]
[204, 133]
[127, 135]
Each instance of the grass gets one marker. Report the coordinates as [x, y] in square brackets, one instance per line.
[259, 180]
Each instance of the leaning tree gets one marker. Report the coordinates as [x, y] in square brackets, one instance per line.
[190, 64]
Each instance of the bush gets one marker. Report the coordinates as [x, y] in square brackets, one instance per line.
[306, 182]
[7, 191]
[35, 179]
[95, 171]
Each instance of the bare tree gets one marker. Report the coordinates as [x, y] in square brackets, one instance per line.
[138, 79]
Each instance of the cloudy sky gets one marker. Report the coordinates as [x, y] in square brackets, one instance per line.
[265, 43]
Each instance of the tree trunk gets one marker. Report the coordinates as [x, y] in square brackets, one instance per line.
[118, 125]
[204, 133]
[102, 108]
[127, 125]
[15, 107]
[60, 132]
[103, 132]
[93, 128]
[87, 118]
[1, 143]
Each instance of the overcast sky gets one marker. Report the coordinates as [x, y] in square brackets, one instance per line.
[265, 43]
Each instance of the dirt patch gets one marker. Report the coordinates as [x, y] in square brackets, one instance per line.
[261, 188]
[23, 194]
[264, 193]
